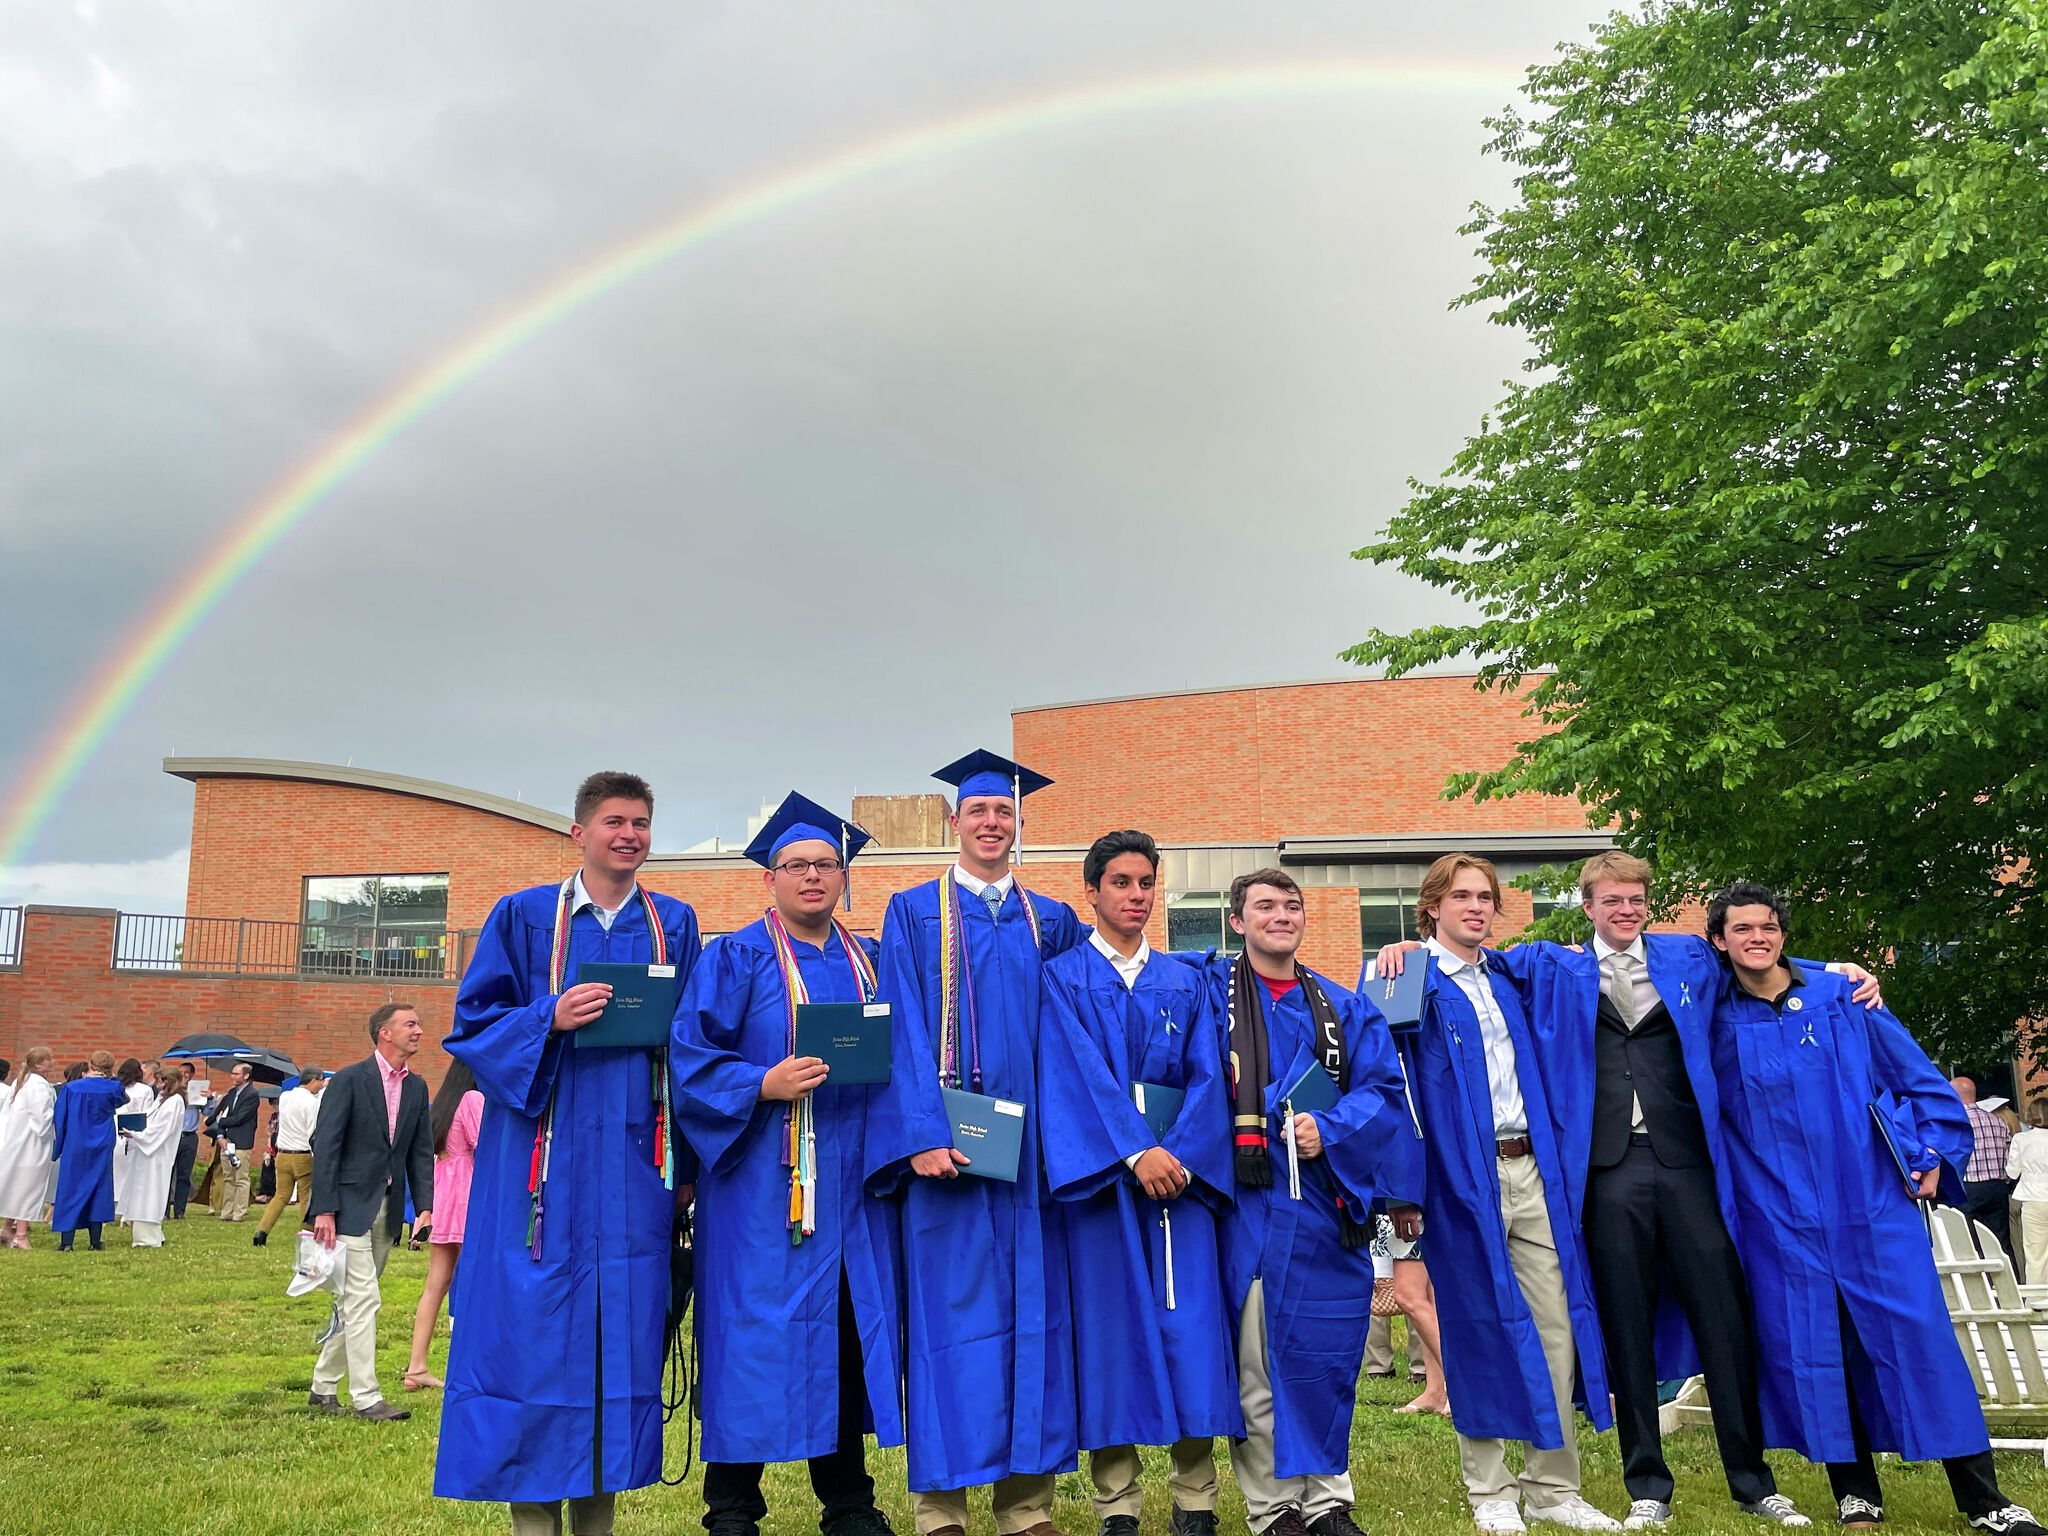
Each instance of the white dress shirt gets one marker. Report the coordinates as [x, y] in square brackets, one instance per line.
[1502, 1083]
[2027, 1160]
[580, 897]
[297, 1110]
[1126, 970]
[976, 885]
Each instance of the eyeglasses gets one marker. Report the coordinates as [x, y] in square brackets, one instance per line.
[797, 868]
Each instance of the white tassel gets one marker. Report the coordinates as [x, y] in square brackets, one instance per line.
[1166, 1226]
[1293, 1155]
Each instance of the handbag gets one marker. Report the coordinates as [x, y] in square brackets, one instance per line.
[1383, 1304]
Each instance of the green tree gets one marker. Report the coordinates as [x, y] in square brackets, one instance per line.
[1762, 532]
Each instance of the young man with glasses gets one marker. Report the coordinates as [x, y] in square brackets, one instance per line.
[990, 1371]
[554, 1372]
[796, 1268]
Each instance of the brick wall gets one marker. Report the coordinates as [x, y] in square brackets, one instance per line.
[1259, 764]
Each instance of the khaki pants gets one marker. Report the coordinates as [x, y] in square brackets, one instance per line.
[1548, 1477]
[1020, 1501]
[1192, 1482]
[590, 1516]
[230, 1185]
[1251, 1458]
[353, 1345]
[2034, 1239]
[294, 1181]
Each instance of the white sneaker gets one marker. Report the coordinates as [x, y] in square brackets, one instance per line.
[1498, 1517]
[1776, 1508]
[1647, 1515]
[1574, 1514]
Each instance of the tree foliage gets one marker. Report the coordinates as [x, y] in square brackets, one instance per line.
[1764, 526]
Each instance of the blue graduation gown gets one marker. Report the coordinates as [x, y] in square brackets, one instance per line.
[771, 1307]
[542, 1340]
[1151, 1375]
[1494, 1365]
[85, 1146]
[1827, 1214]
[1318, 1293]
[990, 1366]
[1560, 989]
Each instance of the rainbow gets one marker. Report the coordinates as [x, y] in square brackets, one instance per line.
[178, 612]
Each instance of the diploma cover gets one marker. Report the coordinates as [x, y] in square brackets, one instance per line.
[132, 1120]
[1399, 997]
[1159, 1104]
[640, 1011]
[852, 1039]
[1892, 1122]
[989, 1132]
[1311, 1093]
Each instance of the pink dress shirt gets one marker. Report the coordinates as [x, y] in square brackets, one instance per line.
[394, 1085]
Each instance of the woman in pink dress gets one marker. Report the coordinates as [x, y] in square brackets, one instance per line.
[457, 1112]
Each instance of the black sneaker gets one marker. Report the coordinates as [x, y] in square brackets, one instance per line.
[1119, 1525]
[259, 1239]
[857, 1522]
[1857, 1513]
[1337, 1522]
[1287, 1523]
[1191, 1522]
[2013, 1520]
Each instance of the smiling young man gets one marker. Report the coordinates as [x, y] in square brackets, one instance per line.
[796, 1267]
[1150, 1324]
[1848, 1303]
[554, 1375]
[1298, 1271]
[990, 1370]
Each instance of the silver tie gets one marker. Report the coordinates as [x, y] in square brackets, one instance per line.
[1618, 970]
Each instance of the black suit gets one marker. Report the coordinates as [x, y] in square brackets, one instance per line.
[357, 1160]
[1652, 1220]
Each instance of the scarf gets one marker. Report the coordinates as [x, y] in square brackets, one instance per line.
[800, 1119]
[544, 1132]
[1251, 1069]
[956, 984]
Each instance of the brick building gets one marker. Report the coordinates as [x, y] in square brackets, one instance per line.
[317, 892]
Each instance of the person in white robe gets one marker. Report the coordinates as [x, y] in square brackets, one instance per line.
[28, 1113]
[152, 1153]
[141, 1095]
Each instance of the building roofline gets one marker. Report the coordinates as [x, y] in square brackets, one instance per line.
[196, 768]
[1192, 693]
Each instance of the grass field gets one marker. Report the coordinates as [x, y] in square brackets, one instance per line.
[165, 1391]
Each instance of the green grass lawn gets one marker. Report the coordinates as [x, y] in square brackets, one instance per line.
[165, 1391]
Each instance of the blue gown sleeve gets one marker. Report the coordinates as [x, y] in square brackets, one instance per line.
[1061, 932]
[906, 1116]
[717, 1091]
[1090, 1123]
[1200, 1135]
[512, 1046]
[1898, 1064]
[1368, 1139]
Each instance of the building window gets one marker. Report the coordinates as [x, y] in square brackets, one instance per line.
[1543, 903]
[379, 925]
[1195, 921]
[1385, 917]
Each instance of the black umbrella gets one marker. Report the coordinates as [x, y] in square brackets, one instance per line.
[205, 1045]
[266, 1066]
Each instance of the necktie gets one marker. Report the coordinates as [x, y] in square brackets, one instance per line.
[1618, 971]
[994, 898]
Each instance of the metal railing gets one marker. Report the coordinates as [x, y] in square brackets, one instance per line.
[244, 946]
[10, 937]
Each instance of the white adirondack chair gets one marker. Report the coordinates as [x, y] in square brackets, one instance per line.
[2000, 1329]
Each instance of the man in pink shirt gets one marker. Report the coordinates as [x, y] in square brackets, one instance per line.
[371, 1145]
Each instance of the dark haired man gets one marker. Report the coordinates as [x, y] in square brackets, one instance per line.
[989, 1377]
[371, 1149]
[796, 1267]
[1837, 1122]
[554, 1375]
[233, 1126]
[1298, 1270]
[1150, 1321]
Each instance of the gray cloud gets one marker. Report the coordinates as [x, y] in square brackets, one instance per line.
[1096, 411]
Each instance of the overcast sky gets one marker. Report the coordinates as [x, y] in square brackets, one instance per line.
[1094, 411]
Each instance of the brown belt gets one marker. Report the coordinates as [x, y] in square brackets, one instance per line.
[1511, 1146]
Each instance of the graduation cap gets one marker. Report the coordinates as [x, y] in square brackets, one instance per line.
[798, 820]
[984, 773]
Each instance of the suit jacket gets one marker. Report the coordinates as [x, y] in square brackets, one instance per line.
[1647, 1062]
[234, 1116]
[356, 1159]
